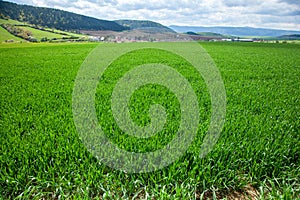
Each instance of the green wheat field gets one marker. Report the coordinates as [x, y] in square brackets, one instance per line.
[256, 156]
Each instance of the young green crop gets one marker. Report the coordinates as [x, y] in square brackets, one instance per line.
[146, 96]
[41, 155]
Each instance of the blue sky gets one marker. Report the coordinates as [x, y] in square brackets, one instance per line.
[277, 14]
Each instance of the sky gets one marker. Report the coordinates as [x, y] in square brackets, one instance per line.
[276, 14]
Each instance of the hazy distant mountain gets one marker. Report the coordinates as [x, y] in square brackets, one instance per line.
[237, 31]
[148, 26]
[54, 18]
[290, 37]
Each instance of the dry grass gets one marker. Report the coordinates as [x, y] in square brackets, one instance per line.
[249, 192]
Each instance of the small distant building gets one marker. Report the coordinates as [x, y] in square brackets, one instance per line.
[237, 40]
[227, 39]
[243, 40]
[94, 39]
[246, 40]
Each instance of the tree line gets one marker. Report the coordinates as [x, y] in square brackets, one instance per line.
[54, 18]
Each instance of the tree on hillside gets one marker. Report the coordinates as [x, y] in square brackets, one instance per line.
[54, 18]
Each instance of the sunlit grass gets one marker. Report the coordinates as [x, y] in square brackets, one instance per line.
[5, 35]
[41, 155]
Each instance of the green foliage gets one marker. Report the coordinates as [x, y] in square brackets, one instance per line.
[191, 33]
[39, 34]
[5, 36]
[44, 39]
[17, 31]
[11, 22]
[34, 33]
[54, 18]
[145, 25]
[41, 155]
[51, 30]
[211, 34]
[30, 34]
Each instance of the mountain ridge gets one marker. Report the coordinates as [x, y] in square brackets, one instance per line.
[145, 25]
[55, 18]
[235, 31]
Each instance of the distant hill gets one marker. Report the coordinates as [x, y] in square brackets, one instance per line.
[15, 31]
[208, 34]
[148, 26]
[54, 18]
[237, 31]
[290, 37]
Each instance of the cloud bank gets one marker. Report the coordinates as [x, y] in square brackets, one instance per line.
[277, 14]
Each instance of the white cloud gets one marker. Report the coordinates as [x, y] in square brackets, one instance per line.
[242, 3]
[281, 14]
